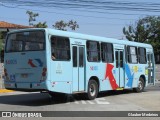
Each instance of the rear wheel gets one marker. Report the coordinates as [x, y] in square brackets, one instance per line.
[92, 90]
[141, 85]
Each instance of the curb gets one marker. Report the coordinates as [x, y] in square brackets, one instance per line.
[5, 91]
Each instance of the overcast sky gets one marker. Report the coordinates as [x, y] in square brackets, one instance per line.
[96, 17]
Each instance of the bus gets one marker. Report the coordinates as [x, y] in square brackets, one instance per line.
[43, 59]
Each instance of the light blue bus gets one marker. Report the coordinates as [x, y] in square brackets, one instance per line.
[66, 62]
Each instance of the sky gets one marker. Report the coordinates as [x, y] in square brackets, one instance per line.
[95, 17]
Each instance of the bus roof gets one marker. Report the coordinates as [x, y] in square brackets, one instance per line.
[86, 37]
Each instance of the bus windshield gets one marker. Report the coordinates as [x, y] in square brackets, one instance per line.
[25, 41]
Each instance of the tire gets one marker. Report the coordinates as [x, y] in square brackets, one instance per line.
[92, 90]
[141, 85]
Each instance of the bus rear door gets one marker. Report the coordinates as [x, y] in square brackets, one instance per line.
[78, 67]
[119, 55]
[150, 61]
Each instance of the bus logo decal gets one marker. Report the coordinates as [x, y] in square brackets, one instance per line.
[110, 76]
[93, 67]
[33, 62]
[129, 75]
[40, 62]
[12, 61]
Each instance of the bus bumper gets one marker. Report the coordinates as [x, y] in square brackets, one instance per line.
[25, 86]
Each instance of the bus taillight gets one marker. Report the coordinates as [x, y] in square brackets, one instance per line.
[44, 72]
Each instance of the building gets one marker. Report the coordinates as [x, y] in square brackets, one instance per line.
[6, 27]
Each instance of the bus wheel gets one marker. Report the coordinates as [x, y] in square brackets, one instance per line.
[92, 90]
[140, 87]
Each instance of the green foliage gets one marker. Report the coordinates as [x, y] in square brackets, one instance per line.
[32, 17]
[61, 25]
[41, 25]
[145, 30]
[1, 41]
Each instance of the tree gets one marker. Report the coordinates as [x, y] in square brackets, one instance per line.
[1, 41]
[2, 37]
[41, 25]
[145, 30]
[32, 19]
[61, 25]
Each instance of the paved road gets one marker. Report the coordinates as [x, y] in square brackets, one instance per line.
[126, 100]
[109, 101]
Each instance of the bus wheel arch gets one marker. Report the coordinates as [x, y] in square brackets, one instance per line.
[141, 84]
[93, 88]
[144, 78]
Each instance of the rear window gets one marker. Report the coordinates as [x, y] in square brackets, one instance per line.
[25, 41]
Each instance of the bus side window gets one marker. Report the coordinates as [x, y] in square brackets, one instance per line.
[93, 51]
[107, 52]
[142, 55]
[60, 48]
[132, 54]
[53, 40]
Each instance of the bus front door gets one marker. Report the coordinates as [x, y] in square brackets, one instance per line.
[150, 62]
[119, 67]
[78, 68]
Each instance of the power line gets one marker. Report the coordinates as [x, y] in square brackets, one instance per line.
[66, 13]
[59, 5]
[72, 4]
[83, 23]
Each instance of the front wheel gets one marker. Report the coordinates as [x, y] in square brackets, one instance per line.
[92, 90]
[141, 85]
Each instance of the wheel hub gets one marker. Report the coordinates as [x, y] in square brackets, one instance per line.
[92, 90]
[140, 85]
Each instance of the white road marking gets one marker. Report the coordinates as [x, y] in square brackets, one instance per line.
[99, 101]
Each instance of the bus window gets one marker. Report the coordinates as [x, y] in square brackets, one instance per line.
[93, 51]
[126, 54]
[142, 55]
[60, 48]
[121, 59]
[81, 57]
[117, 59]
[74, 56]
[132, 54]
[32, 41]
[107, 52]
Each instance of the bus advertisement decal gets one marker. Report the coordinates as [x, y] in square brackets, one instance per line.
[110, 76]
[129, 75]
[94, 68]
